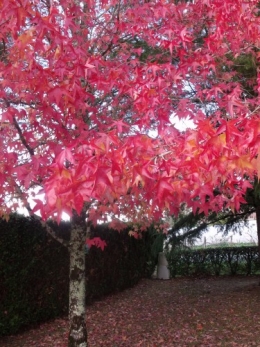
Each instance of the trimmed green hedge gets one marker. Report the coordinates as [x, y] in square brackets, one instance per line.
[124, 261]
[34, 270]
[213, 261]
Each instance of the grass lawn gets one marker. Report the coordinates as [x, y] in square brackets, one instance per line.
[182, 312]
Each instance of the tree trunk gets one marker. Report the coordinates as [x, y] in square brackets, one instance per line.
[77, 309]
[258, 229]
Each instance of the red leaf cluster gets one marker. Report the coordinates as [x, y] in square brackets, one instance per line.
[88, 94]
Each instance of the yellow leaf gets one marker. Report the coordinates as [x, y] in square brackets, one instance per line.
[222, 138]
[57, 52]
[244, 162]
[66, 173]
[26, 36]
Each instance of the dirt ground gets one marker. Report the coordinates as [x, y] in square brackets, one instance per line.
[202, 312]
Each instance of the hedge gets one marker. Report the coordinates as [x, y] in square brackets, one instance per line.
[34, 270]
[213, 261]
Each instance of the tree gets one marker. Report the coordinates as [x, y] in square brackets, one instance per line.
[188, 226]
[88, 90]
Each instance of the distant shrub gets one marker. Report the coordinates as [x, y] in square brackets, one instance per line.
[213, 261]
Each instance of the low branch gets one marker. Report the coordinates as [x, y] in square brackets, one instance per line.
[51, 232]
[213, 220]
[48, 229]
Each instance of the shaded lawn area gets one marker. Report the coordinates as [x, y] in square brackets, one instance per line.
[182, 312]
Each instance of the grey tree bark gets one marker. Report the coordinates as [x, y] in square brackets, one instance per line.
[77, 289]
[257, 210]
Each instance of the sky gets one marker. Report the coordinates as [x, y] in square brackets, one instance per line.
[248, 235]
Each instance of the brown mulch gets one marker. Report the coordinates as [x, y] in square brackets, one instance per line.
[204, 312]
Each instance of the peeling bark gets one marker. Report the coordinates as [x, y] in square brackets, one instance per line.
[77, 309]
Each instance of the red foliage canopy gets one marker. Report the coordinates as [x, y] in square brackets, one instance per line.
[88, 92]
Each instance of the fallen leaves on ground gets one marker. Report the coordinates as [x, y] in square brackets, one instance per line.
[206, 312]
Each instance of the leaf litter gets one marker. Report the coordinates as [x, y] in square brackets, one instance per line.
[201, 312]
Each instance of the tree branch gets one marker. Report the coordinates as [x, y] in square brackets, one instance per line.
[190, 218]
[22, 138]
[51, 232]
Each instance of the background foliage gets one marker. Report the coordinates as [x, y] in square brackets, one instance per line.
[213, 261]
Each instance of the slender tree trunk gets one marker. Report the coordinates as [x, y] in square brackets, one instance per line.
[77, 309]
[258, 229]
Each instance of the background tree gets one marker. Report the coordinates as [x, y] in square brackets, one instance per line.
[187, 226]
[86, 114]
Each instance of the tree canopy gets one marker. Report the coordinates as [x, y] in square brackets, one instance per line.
[88, 94]
[88, 91]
